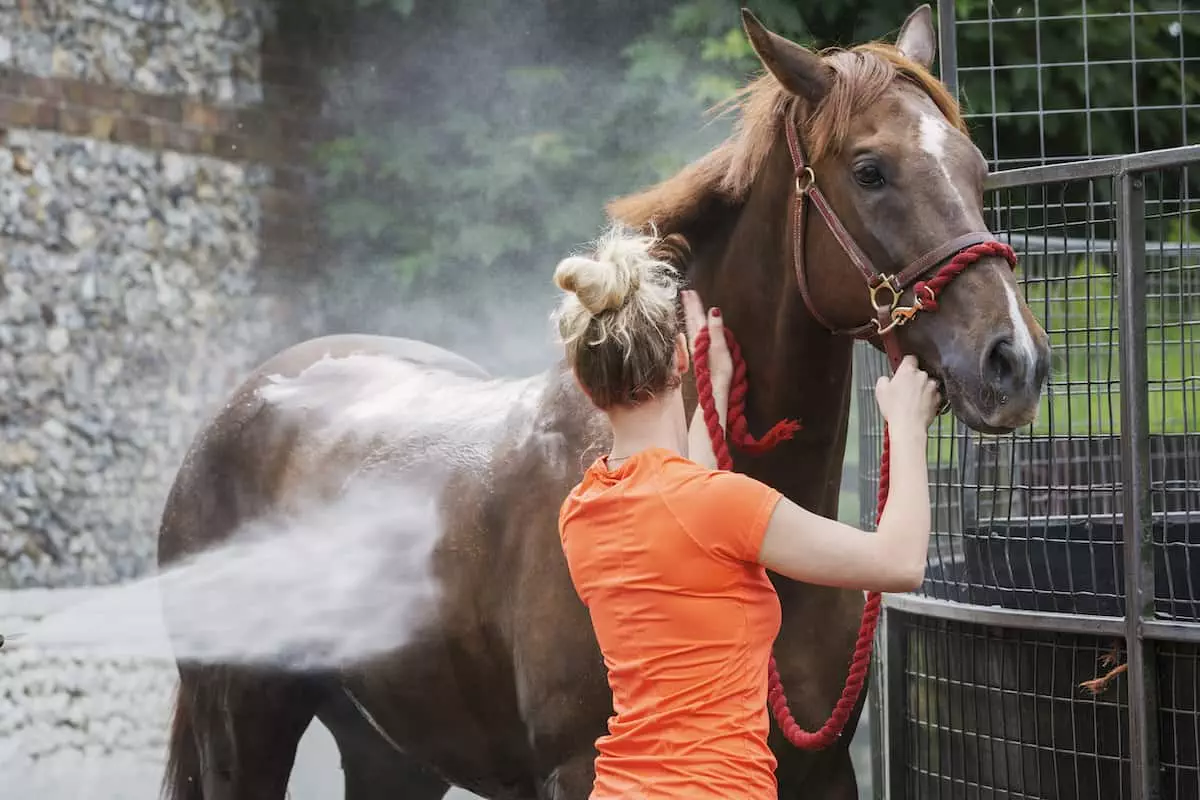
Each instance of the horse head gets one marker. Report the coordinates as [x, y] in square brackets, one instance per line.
[894, 189]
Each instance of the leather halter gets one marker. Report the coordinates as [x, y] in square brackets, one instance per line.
[885, 290]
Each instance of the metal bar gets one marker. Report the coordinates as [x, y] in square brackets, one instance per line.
[1061, 246]
[1063, 112]
[895, 749]
[1135, 486]
[1005, 617]
[1089, 15]
[1095, 62]
[947, 46]
[877, 719]
[1094, 168]
[1170, 631]
[867, 454]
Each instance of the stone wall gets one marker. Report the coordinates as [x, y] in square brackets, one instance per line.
[154, 235]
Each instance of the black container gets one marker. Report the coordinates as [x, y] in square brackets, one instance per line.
[1076, 566]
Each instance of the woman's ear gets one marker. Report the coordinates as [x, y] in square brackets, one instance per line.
[682, 359]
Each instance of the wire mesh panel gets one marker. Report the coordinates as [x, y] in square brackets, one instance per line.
[1179, 719]
[1173, 390]
[1047, 81]
[1035, 522]
[990, 713]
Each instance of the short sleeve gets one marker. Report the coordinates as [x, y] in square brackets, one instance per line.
[726, 513]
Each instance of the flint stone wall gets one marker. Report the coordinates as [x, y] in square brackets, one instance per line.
[148, 172]
[128, 309]
[203, 48]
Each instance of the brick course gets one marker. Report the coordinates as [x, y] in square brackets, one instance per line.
[277, 134]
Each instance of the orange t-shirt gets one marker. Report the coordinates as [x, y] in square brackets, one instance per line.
[662, 552]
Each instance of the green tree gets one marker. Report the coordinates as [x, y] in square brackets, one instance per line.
[481, 139]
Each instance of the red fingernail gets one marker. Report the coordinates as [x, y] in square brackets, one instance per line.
[716, 312]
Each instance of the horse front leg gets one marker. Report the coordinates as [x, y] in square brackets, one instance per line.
[563, 730]
[565, 710]
[843, 783]
[571, 780]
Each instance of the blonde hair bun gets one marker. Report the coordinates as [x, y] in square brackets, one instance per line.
[600, 285]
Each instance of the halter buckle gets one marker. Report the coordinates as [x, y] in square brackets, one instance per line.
[810, 180]
[885, 283]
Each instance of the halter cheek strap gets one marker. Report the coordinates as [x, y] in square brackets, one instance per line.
[886, 291]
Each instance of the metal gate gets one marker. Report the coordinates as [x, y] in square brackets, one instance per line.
[1071, 540]
[1077, 539]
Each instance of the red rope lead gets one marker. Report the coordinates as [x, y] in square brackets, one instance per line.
[739, 431]
[828, 733]
[963, 259]
[859, 664]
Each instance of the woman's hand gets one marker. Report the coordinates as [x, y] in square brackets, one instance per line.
[720, 363]
[909, 400]
[720, 369]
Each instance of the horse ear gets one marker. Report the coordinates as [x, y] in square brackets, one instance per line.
[800, 71]
[917, 40]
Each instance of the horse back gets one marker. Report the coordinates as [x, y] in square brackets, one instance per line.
[246, 459]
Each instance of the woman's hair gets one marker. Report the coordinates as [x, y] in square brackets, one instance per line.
[620, 317]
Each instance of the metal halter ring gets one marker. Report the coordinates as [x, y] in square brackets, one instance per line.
[900, 315]
[810, 180]
[885, 283]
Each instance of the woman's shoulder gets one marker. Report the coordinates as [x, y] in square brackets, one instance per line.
[689, 473]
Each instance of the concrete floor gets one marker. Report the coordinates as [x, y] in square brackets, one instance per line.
[316, 776]
[78, 776]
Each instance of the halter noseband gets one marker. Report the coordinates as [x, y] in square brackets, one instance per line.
[885, 290]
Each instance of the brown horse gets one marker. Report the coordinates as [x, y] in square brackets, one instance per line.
[502, 691]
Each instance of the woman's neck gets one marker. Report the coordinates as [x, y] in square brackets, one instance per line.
[655, 423]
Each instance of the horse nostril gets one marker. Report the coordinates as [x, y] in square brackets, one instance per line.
[1002, 364]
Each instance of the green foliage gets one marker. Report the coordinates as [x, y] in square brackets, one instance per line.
[470, 160]
[1005, 33]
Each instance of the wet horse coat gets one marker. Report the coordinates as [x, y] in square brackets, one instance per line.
[503, 690]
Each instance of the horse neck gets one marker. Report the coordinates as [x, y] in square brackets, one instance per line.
[795, 368]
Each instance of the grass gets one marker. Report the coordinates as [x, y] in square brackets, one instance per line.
[1080, 313]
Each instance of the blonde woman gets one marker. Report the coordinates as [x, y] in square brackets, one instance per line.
[670, 555]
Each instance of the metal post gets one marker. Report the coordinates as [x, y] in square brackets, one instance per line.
[878, 695]
[879, 711]
[895, 750]
[947, 46]
[1137, 516]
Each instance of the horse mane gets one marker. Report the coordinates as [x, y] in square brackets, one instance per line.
[861, 75]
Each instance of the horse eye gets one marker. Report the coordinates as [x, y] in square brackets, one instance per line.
[868, 175]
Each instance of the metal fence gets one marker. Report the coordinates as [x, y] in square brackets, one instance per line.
[1076, 541]
[1055, 81]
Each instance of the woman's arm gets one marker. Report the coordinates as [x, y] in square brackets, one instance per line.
[806, 547]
